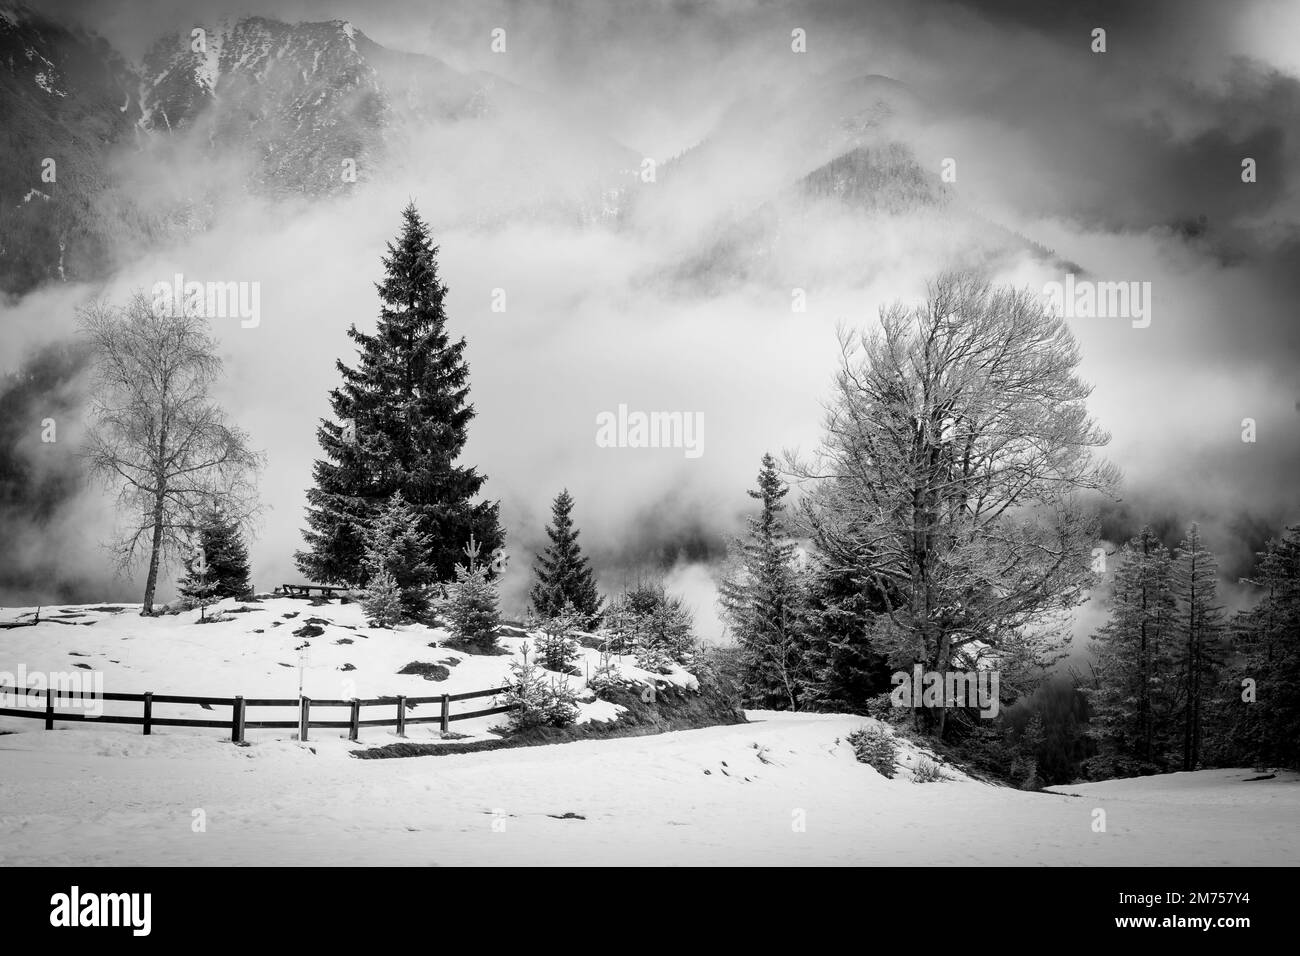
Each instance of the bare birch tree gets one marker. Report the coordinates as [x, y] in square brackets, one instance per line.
[956, 443]
[157, 436]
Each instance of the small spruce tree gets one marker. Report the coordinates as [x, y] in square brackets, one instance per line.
[527, 695]
[473, 604]
[556, 650]
[654, 626]
[537, 701]
[563, 573]
[199, 587]
[225, 554]
[382, 601]
[396, 546]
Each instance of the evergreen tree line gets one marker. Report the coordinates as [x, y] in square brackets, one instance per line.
[1175, 684]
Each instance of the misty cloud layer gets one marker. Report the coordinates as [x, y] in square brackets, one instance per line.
[1110, 161]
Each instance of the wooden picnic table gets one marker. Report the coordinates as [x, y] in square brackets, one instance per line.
[304, 590]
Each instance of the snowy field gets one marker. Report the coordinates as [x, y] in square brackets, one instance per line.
[778, 791]
[783, 789]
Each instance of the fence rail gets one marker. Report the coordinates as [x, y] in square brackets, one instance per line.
[239, 722]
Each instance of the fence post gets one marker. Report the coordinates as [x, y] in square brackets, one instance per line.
[446, 712]
[304, 717]
[401, 715]
[354, 729]
[49, 708]
[237, 720]
[148, 712]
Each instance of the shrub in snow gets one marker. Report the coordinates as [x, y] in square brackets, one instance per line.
[538, 701]
[651, 657]
[653, 625]
[927, 771]
[881, 707]
[556, 650]
[875, 746]
[526, 694]
[561, 703]
[607, 674]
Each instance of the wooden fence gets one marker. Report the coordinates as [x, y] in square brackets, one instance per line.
[239, 708]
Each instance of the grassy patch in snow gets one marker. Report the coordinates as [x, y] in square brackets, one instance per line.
[427, 671]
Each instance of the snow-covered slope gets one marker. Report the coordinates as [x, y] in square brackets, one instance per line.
[253, 653]
[783, 790]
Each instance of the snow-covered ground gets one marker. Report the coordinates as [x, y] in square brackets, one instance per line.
[780, 790]
[784, 789]
[254, 654]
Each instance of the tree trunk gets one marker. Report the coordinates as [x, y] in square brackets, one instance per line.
[160, 502]
[944, 650]
[1190, 691]
[151, 582]
[1144, 675]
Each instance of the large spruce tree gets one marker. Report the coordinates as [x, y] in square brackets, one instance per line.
[401, 419]
[563, 574]
[1194, 582]
[1261, 714]
[1132, 692]
[762, 599]
[843, 669]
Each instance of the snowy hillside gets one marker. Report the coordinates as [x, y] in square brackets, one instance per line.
[786, 788]
[783, 790]
[252, 652]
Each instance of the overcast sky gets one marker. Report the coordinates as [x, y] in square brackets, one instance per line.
[1104, 158]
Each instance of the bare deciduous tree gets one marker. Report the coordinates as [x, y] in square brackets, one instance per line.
[155, 433]
[956, 444]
